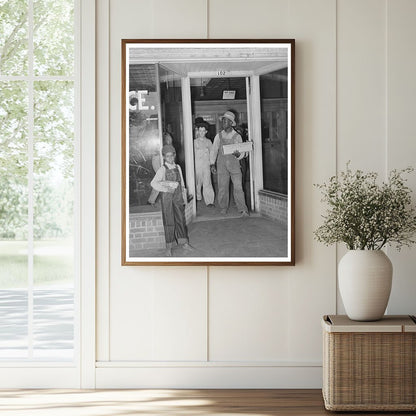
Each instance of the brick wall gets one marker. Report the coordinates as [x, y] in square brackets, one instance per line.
[146, 229]
[273, 206]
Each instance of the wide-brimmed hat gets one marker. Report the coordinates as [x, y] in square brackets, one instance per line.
[200, 122]
[231, 116]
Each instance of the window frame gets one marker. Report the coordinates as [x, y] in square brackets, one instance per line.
[81, 371]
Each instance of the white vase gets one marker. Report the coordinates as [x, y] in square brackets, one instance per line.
[364, 278]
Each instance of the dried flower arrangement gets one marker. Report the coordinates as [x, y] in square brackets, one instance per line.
[366, 215]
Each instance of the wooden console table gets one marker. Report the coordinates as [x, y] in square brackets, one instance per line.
[369, 366]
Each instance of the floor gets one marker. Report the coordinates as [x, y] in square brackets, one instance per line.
[166, 402]
[213, 234]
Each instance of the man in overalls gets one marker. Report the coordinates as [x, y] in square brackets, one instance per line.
[228, 165]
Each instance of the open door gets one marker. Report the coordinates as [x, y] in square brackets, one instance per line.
[267, 102]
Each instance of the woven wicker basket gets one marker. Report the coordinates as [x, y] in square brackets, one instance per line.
[369, 366]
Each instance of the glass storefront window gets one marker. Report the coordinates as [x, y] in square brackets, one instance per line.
[144, 135]
[274, 130]
[171, 104]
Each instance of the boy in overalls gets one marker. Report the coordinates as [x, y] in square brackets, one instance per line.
[156, 163]
[202, 153]
[169, 181]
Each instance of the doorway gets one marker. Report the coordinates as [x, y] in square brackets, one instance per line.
[210, 99]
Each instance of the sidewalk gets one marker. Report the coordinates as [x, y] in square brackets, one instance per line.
[213, 235]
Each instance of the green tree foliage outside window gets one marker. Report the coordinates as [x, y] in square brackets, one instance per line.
[53, 117]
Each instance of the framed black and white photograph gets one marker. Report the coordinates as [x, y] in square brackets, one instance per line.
[208, 152]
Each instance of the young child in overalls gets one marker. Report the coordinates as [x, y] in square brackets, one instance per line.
[169, 181]
[156, 163]
[202, 153]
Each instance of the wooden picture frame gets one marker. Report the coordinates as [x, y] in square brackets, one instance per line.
[173, 111]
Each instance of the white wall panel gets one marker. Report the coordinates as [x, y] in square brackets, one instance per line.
[159, 316]
[361, 89]
[179, 19]
[180, 308]
[311, 282]
[361, 84]
[102, 178]
[131, 316]
[149, 19]
[401, 142]
[354, 101]
[266, 19]
[264, 306]
[315, 135]
[139, 328]
[248, 319]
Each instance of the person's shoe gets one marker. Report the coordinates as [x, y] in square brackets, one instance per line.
[244, 214]
[223, 211]
[187, 247]
[210, 205]
[168, 252]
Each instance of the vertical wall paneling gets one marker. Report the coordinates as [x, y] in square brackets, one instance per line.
[180, 19]
[401, 138]
[248, 315]
[140, 329]
[255, 326]
[361, 88]
[180, 316]
[103, 173]
[312, 24]
[132, 315]
[248, 19]
[361, 84]
[160, 315]
[87, 191]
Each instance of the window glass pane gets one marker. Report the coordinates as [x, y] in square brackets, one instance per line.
[53, 197]
[53, 319]
[273, 92]
[53, 37]
[13, 161]
[13, 37]
[13, 219]
[14, 321]
[54, 162]
[171, 104]
[144, 139]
